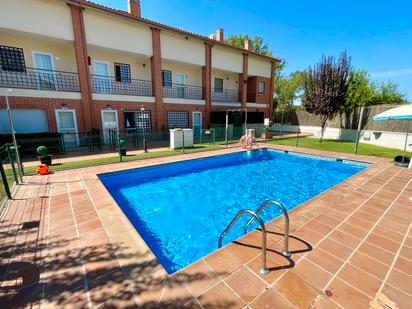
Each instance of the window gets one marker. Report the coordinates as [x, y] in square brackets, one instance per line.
[143, 121]
[167, 78]
[261, 87]
[122, 72]
[129, 120]
[178, 120]
[12, 59]
[218, 84]
[138, 120]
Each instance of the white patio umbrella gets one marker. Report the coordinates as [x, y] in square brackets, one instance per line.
[403, 112]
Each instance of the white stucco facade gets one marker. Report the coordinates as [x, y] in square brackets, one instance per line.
[181, 48]
[227, 59]
[45, 17]
[107, 31]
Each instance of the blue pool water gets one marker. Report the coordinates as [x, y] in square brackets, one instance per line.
[180, 209]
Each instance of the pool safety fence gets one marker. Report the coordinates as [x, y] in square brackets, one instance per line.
[73, 150]
[9, 171]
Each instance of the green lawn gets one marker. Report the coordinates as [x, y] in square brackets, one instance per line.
[313, 143]
[116, 159]
[339, 146]
[11, 181]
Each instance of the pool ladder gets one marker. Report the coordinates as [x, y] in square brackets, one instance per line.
[255, 215]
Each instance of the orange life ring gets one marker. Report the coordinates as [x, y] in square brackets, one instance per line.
[246, 142]
[43, 169]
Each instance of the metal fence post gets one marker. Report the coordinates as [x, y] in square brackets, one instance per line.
[120, 150]
[359, 129]
[183, 141]
[5, 182]
[297, 138]
[226, 130]
[214, 136]
[136, 139]
[12, 163]
[281, 123]
[62, 143]
[20, 167]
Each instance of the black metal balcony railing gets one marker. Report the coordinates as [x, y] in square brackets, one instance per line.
[183, 91]
[40, 79]
[109, 85]
[225, 95]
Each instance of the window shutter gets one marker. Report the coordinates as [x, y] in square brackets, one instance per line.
[117, 72]
[12, 59]
[178, 120]
[166, 78]
[122, 72]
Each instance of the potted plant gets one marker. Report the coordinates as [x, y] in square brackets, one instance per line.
[122, 147]
[43, 155]
[402, 161]
[266, 134]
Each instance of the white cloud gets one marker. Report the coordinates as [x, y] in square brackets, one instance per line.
[393, 73]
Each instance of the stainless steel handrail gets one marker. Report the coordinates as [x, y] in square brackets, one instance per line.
[263, 268]
[285, 251]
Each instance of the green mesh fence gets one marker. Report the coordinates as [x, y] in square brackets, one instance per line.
[8, 170]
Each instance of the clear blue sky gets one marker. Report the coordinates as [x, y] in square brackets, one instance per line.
[376, 34]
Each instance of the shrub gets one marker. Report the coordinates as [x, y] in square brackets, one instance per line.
[42, 150]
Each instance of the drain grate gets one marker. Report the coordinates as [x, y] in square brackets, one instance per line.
[30, 225]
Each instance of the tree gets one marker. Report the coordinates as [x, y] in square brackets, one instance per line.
[258, 45]
[363, 92]
[325, 87]
[360, 93]
[388, 93]
[288, 89]
[360, 90]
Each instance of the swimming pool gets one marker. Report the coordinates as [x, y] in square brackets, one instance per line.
[180, 209]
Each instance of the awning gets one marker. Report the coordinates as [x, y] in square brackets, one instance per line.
[398, 113]
[403, 112]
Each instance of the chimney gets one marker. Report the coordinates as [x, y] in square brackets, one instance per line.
[248, 44]
[220, 35]
[134, 7]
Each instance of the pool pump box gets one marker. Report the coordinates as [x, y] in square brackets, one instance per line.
[251, 132]
[177, 136]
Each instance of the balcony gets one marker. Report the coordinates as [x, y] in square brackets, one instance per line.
[225, 95]
[109, 85]
[183, 92]
[40, 80]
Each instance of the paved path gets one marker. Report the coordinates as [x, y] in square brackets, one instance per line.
[66, 244]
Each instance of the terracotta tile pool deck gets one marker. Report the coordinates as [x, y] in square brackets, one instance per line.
[65, 243]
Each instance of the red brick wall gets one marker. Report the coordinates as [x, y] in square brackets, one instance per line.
[249, 109]
[49, 105]
[88, 111]
[242, 79]
[186, 108]
[207, 83]
[125, 106]
[252, 90]
[80, 48]
[156, 66]
[272, 87]
[120, 106]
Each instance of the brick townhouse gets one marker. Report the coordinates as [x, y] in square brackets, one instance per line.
[74, 66]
